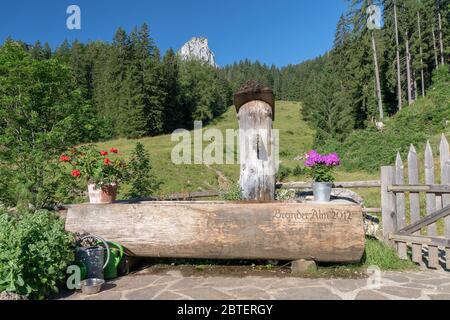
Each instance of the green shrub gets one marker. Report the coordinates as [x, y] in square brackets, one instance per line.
[232, 193]
[283, 173]
[285, 194]
[299, 171]
[34, 253]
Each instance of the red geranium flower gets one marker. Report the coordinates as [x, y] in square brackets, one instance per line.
[107, 161]
[114, 150]
[64, 158]
[76, 173]
[103, 153]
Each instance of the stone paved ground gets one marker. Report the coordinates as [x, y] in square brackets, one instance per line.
[172, 285]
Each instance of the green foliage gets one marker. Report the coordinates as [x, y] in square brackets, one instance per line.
[205, 93]
[440, 89]
[41, 113]
[232, 193]
[384, 257]
[142, 181]
[285, 194]
[369, 149]
[283, 173]
[299, 170]
[34, 253]
[321, 173]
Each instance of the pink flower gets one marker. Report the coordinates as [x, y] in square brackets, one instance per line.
[314, 158]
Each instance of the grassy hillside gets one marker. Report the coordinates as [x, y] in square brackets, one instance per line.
[296, 138]
[427, 118]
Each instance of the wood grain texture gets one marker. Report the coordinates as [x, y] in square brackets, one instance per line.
[219, 230]
[388, 202]
[438, 241]
[433, 251]
[430, 180]
[400, 197]
[414, 199]
[402, 250]
[401, 208]
[447, 258]
[443, 157]
[257, 151]
[446, 198]
[413, 179]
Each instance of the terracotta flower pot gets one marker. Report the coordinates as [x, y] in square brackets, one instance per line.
[102, 194]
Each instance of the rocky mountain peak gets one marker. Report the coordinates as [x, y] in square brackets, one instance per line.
[197, 48]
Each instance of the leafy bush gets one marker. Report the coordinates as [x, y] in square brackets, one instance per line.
[285, 194]
[232, 193]
[43, 183]
[299, 170]
[283, 173]
[34, 253]
[42, 112]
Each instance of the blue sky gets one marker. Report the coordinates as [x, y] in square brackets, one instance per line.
[274, 32]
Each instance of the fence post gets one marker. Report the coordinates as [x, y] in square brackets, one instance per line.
[388, 203]
[402, 247]
[446, 202]
[433, 251]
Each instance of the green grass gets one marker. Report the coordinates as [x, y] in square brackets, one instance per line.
[384, 257]
[376, 254]
[296, 138]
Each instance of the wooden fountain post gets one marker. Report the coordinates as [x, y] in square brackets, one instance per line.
[255, 106]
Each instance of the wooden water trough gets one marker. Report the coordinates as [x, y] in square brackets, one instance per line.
[224, 230]
[259, 228]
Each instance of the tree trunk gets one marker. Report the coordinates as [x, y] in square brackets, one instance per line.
[222, 230]
[408, 71]
[434, 46]
[377, 77]
[422, 78]
[441, 41]
[399, 81]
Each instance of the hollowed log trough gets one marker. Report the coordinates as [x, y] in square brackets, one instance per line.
[227, 230]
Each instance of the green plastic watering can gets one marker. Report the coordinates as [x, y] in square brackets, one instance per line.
[116, 253]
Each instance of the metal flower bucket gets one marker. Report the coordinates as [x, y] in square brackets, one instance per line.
[93, 258]
[322, 191]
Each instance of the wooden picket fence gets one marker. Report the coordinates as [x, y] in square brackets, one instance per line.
[421, 234]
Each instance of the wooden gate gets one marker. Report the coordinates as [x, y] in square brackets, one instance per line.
[426, 229]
